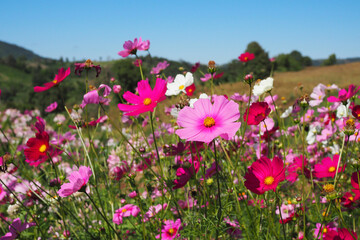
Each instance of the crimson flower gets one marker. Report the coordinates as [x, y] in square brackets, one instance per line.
[186, 172]
[265, 175]
[62, 74]
[356, 112]
[296, 168]
[147, 98]
[344, 95]
[195, 67]
[190, 89]
[256, 113]
[245, 57]
[88, 64]
[355, 184]
[341, 233]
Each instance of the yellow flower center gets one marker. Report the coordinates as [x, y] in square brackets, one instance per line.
[124, 210]
[171, 231]
[209, 122]
[181, 87]
[332, 169]
[328, 188]
[350, 198]
[147, 101]
[246, 58]
[190, 90]
[325, 230]
[269, 180]
[319, 97]
[42, 148]
[55, 81]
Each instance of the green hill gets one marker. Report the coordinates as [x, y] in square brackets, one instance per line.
[7, 49]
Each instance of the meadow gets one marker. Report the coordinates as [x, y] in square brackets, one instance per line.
[271, 158]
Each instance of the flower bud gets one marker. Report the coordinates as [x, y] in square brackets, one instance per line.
[116, 89]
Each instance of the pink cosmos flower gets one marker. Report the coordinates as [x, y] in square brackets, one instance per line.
[265, 175]
[88, 64]
[340, 234]
[159, 67]
[208, 76]
[323, 230]
[245, 57]
[344, 95]
[170, 230]
[318, 94]
[93, 97]
[296, 168]
[147, 99]
[355, 177]
[78, 180]
[51, 107]
[62, 74]
[126, 211]
[207, 121]
[132, 47]
[2, 194]
[327, 167]
[16, 228]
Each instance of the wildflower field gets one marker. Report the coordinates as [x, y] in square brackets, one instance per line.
[239, 166]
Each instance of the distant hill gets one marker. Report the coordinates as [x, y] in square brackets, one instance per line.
[318, 62]
[7, 49]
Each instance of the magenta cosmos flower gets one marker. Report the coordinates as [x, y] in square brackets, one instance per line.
[296, 168]
[78, 180]
[132, 47]
[327, 167]
[16, 228]
[51, 107]
[245, 57]
[147, 98]
[257, 112]
[340, 234]
[62, 74]
[265, 175]
[170, 230]
[88, 64]
[126, 211]
[344, 95]
[207, 121]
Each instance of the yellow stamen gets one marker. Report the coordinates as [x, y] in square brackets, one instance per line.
[42, 148]
[209, 122]
[269, 180]
[171, 231]
[181, 87]
[332, 169]
[55, 81]
[328, 188]
[350, 198]
[147, 101]
[124, 210]
[325, 230]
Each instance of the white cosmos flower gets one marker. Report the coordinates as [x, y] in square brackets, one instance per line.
[342, 110]
[179, 84]
[193, 100]
[287, 112]
[263, 86]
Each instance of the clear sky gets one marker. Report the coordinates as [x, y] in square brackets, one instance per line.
[191, 30]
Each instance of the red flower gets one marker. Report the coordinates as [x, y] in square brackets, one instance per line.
[195, 67]
[62, 74]
[355, 184]
[190, 89]
[258, 111]
[245, 57]
[341, 233]
[265, 175]
[79, 67]
[356, 112]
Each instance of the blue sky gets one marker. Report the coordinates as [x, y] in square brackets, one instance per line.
[183, 30]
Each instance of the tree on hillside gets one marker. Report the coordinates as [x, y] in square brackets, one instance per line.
[261, 65]
[330, 61]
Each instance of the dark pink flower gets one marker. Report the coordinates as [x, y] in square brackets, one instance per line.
[62, 74]
[296, 168]
[78, 180]
[126, 211]
[51, 107]
[257, 112]
[344, 95]
[147, 99]
[190, 89]
[327, 167]
[184, 173]
[355, 184]
[170, 230]
[340, 234]
[132, 47]
[88, 64]
[93, 97]
[265, 175]
[208, 76]
[245, 57]
[16, 228]
[195, 67]
[137, 62]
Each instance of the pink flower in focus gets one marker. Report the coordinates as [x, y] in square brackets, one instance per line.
[93, 97]
[265, 175]
[327, 167]
[207, 121]
[147, 99]
[160, 67]
[51, 107]
[78, 180]
[170, 230]
[62, 74]
[344, 95]
[16, 228]
[126, 211]
[132, 47]
[245, 57]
